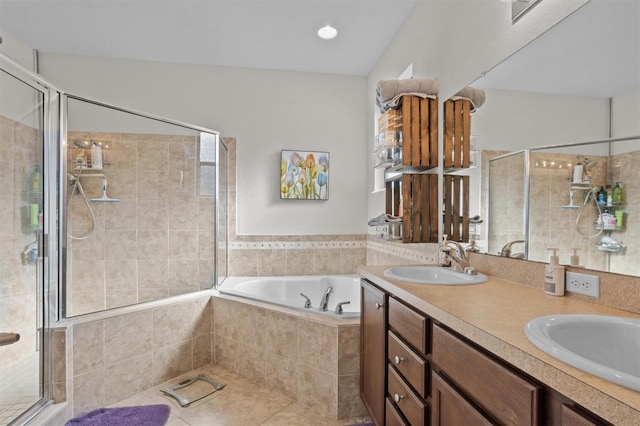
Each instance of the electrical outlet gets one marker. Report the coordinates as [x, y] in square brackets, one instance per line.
[582, 283]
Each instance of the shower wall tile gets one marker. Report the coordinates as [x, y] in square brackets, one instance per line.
[149, 294]
[152, 184]
[171, 361]
[88, 347]
[152, 155]
[183, 244]
[127, 378]
[183, 273]
[127, 336]
[120, 244]
[120, 216]
[153, 244]
[152, 214]
[184, 216]
[122, 355]
[88, 391]
[153, 273]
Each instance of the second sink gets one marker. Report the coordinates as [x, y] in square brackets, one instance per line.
[433, 275]
[605, 346]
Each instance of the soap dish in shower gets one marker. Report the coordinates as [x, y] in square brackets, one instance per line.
[192, 389]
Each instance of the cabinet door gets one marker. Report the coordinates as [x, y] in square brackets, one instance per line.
[373, 350]
[449, 408]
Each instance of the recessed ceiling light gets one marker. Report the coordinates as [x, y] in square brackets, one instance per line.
[327, 32]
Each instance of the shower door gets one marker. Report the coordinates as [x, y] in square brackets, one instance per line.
[23, 228]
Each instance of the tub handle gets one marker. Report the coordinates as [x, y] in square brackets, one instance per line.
[339, 307]
[307, 304]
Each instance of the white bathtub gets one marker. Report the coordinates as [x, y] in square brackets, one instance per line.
[285, 291]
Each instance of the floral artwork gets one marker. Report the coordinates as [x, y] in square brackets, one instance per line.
[304, 175]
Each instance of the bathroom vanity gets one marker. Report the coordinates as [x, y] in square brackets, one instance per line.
[447, 355]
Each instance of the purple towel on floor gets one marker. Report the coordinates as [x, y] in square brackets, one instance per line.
[140, 415]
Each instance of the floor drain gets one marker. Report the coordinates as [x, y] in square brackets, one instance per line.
[192, 389]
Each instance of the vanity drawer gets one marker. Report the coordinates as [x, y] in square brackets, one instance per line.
[413, 409]
[410, 325]
[391, 415]
[413, 368]
[500, 391]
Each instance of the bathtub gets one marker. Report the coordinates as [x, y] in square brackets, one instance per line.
[285, 291]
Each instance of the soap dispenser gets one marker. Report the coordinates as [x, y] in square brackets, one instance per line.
[443, 252]
[574, 260]
[554, 275]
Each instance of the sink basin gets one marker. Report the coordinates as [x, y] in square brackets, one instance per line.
[433, 275]
[605, 346]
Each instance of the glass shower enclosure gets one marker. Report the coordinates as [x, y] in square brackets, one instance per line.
[28, 262]
[100, 207]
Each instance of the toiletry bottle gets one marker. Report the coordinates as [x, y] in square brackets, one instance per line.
[96, 156]
[554, 275]
[577, 173]
[574, 260]
[617, 193]
[602, 196]
[36, 179]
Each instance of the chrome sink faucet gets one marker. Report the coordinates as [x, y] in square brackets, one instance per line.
[506, 250]
[325, 299]
[461, 258]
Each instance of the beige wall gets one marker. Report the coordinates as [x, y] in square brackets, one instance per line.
[266, 111]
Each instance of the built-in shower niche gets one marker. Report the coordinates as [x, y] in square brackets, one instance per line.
[152, 233]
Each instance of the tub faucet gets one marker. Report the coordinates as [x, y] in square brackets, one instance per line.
[325, 299]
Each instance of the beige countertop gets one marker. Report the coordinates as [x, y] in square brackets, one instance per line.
[494, 315]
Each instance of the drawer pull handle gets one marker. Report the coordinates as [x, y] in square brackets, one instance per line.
[378, 305]
[398, 359]
[397, 398]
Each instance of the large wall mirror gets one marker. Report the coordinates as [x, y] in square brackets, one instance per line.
[572, 95]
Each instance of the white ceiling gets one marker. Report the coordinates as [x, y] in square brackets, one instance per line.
[270, 34]
[593, 52]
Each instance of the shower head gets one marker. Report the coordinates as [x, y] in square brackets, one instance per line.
[82, 144]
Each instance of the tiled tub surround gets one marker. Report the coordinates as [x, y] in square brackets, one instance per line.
[158, 241]
[311, 359]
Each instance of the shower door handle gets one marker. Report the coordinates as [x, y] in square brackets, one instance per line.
[8, 338]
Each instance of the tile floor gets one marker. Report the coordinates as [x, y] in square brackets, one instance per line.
[238, 403]
[20, 388]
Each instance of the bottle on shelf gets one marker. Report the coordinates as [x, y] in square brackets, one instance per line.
[602, 195]
[36, 179]
[617, 193]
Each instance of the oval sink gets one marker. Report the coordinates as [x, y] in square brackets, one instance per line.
[433, 275]
[605, 346]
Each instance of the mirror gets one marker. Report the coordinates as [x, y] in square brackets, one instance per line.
[575, 84]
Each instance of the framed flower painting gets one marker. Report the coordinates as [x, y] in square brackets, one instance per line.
[304, 175]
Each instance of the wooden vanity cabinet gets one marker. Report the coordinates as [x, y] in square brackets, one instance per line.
[416, 371]
[408, 369]
[499, 391]
[373, 338]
